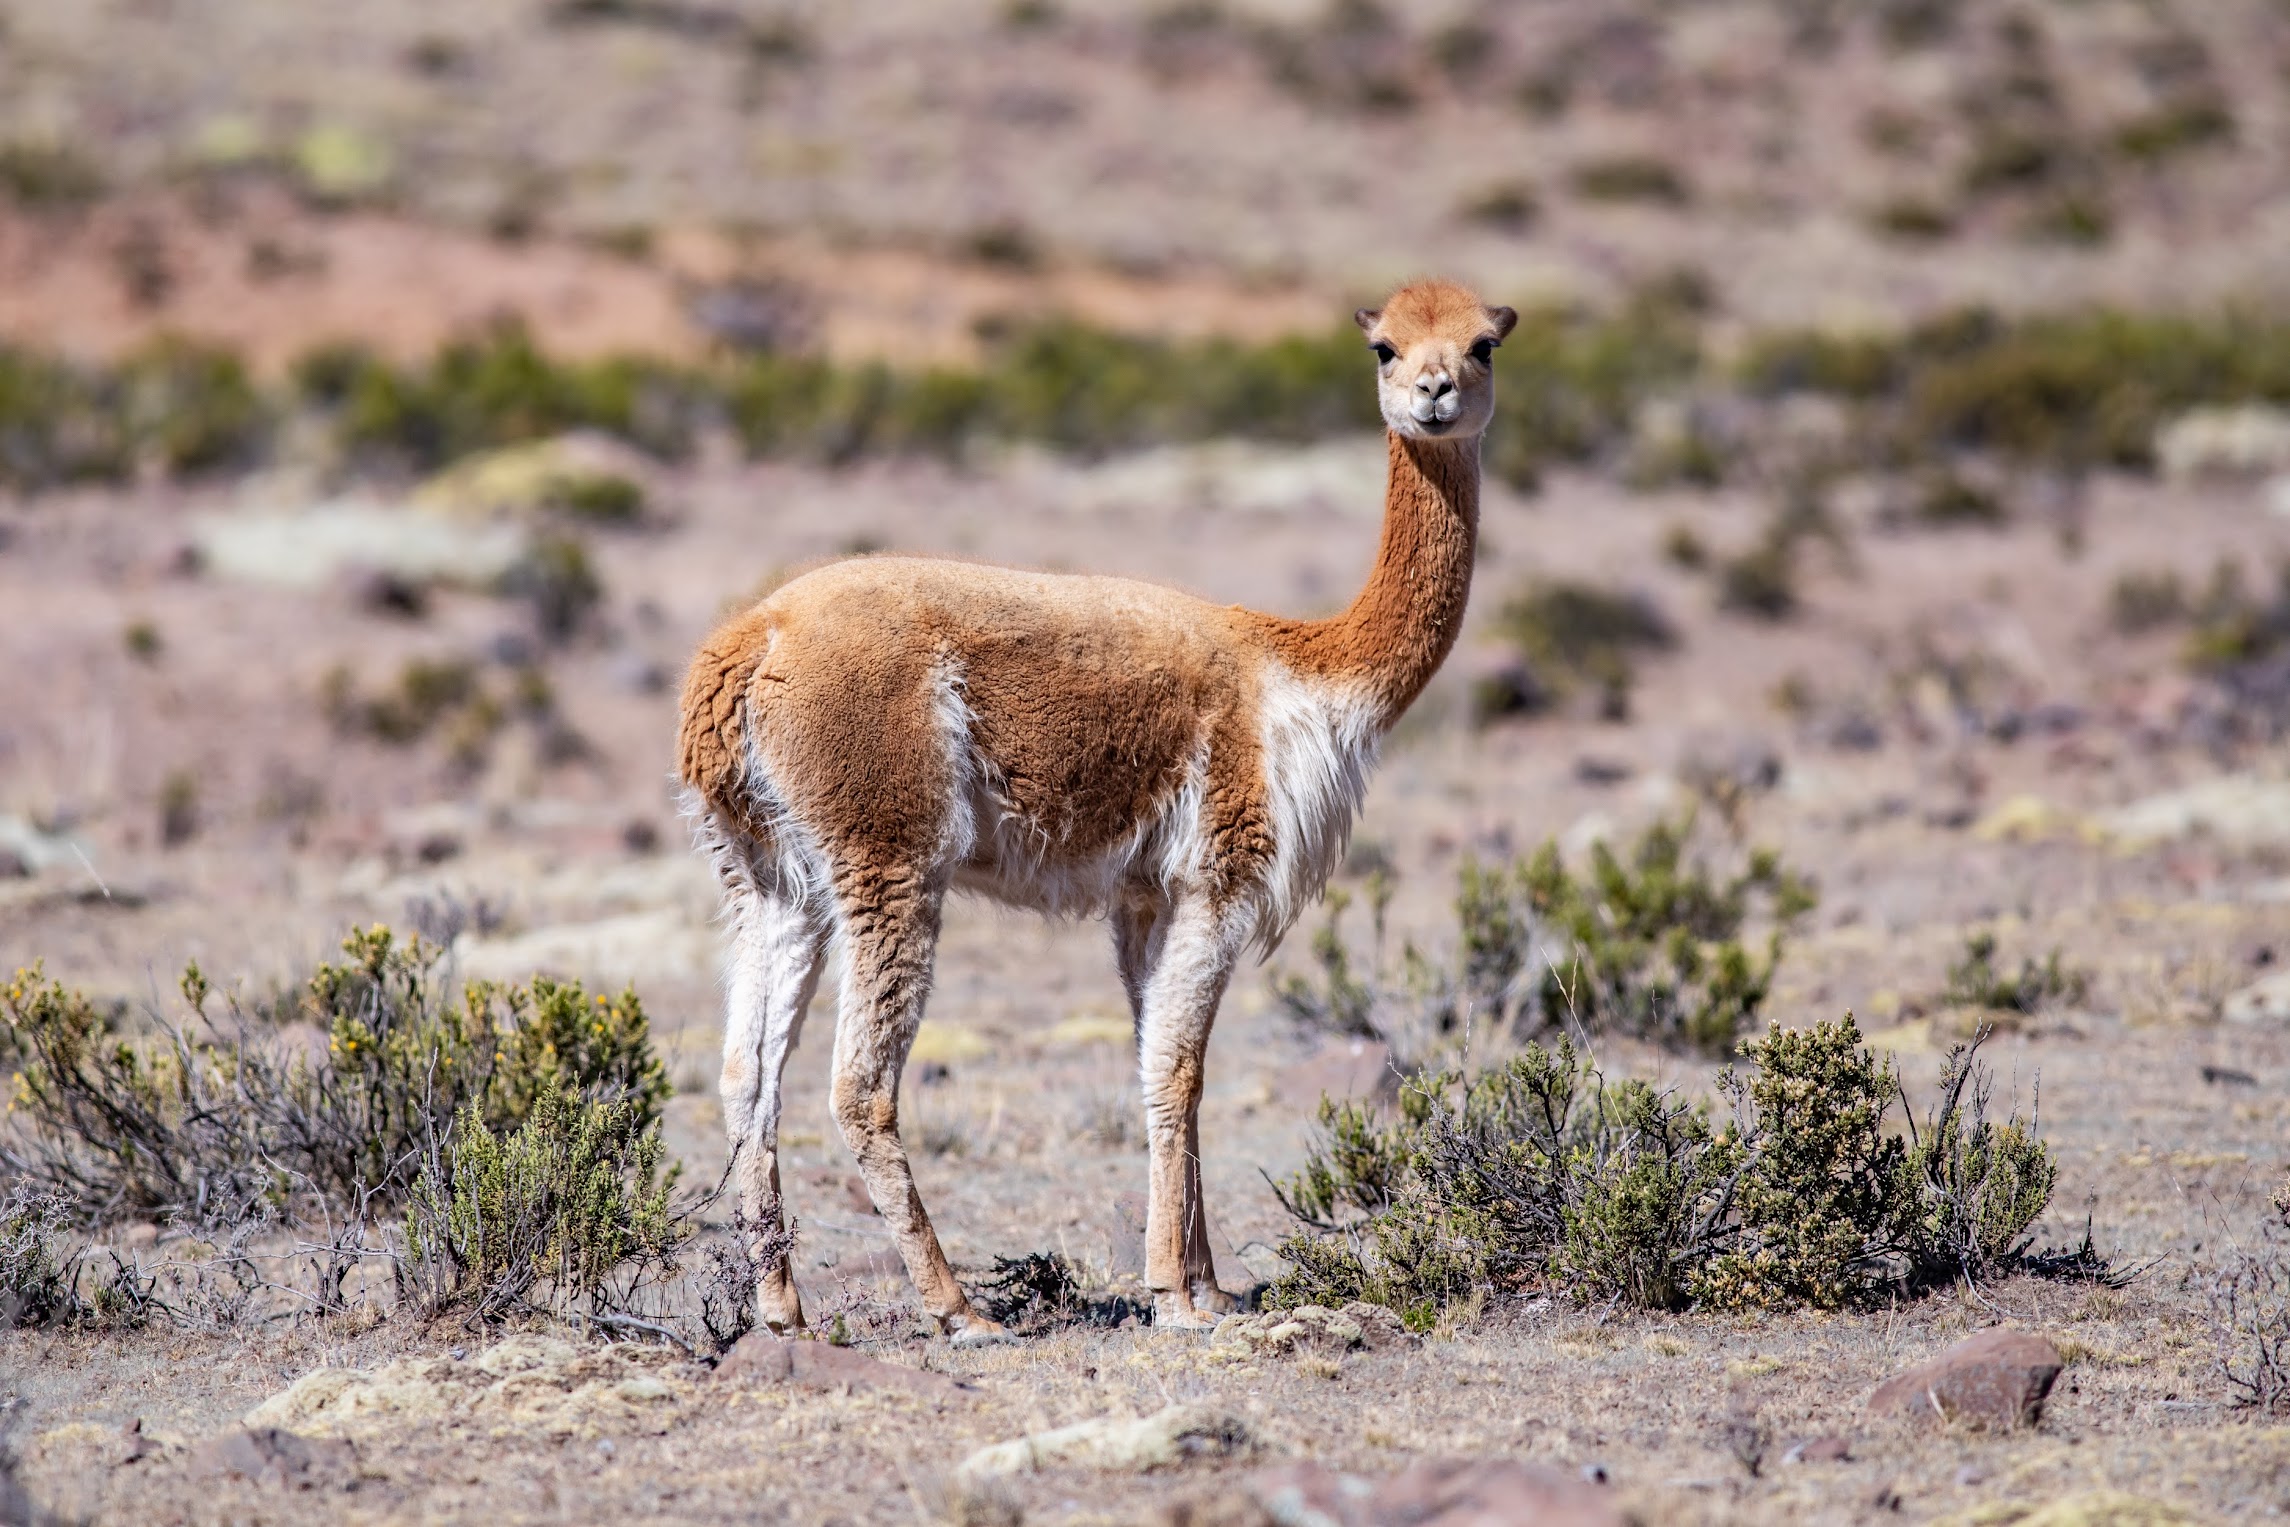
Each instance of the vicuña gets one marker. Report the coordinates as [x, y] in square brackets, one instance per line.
[885, 730]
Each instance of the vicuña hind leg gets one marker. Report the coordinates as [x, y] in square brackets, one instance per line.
[1197, 952]
[891, 934]
[777, 946]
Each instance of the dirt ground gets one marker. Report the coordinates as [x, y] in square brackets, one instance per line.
[1951, 735]
[2169, 1124]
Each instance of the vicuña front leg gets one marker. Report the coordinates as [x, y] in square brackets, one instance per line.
[887, 978]
[776, 953]
[1181, 999]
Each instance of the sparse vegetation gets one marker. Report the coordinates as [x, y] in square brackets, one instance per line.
[568, 1212]
[217, 1113]
[1573, 633]
[1631, 178]
[1649, 943]
[1543, 1174]
[1976, 980]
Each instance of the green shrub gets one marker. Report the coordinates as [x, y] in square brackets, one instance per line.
[1510, 206]
[1762, 580]
[1652, 943]
[41, 177]
[1573, 633]
[218, 1115]
[1631, 178]
[1540, 1173]
[2197, 121]
[1912, 219]
[1649, 945]
[1975, 980]
[568, 1212]
[2139, 602]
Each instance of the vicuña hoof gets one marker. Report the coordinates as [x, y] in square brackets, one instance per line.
[1176, 1312]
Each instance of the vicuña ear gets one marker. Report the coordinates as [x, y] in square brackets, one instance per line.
[1366, 319]
[1504, 320]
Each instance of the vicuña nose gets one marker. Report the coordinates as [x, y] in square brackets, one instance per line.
[1434, 385]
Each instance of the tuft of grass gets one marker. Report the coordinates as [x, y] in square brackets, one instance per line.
[1573, 633]
[2200, 120]
[1543, 1174]
[1976, 980]
[178, 809]
[42, 176]
[1912, 220]
[1762, 580]
[1510, 206]
[2139, 602]
[1641, 178]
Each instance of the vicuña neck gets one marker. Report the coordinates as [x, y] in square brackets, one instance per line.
[1394, 636]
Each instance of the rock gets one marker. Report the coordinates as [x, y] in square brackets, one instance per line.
[1435, 1493]
[762, 1358]
[28, 850]
[2098, 1508]
[526, 1382]
[2247, 440]
[1819, 1450]
[1340, 1068]
[1998, 1378]
[277, 1459]
[333, 545]
[2266, 1000]
[1312, 1328]
[1118, 1444]
[2241, 809]
[586, 476]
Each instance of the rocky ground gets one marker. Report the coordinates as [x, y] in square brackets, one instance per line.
[240, 715]
[2112, 821]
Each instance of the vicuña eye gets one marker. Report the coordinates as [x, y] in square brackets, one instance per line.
[1385, 354]
[1483, 351]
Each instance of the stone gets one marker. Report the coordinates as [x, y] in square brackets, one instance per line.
[1119, 1444]
[277, 1459]
[1311, 1327]
[329, 546]
[762, 1358]
[2238, 441]
[1998, 1378]
[1436, 1493]
[1819, 1450]
[527, 1381]
[2242, 809]
[2266, 1000]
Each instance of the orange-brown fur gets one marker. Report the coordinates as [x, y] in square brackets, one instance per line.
[878, 732]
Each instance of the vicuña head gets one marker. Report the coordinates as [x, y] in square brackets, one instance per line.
[881, 732]
[1435, 359]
